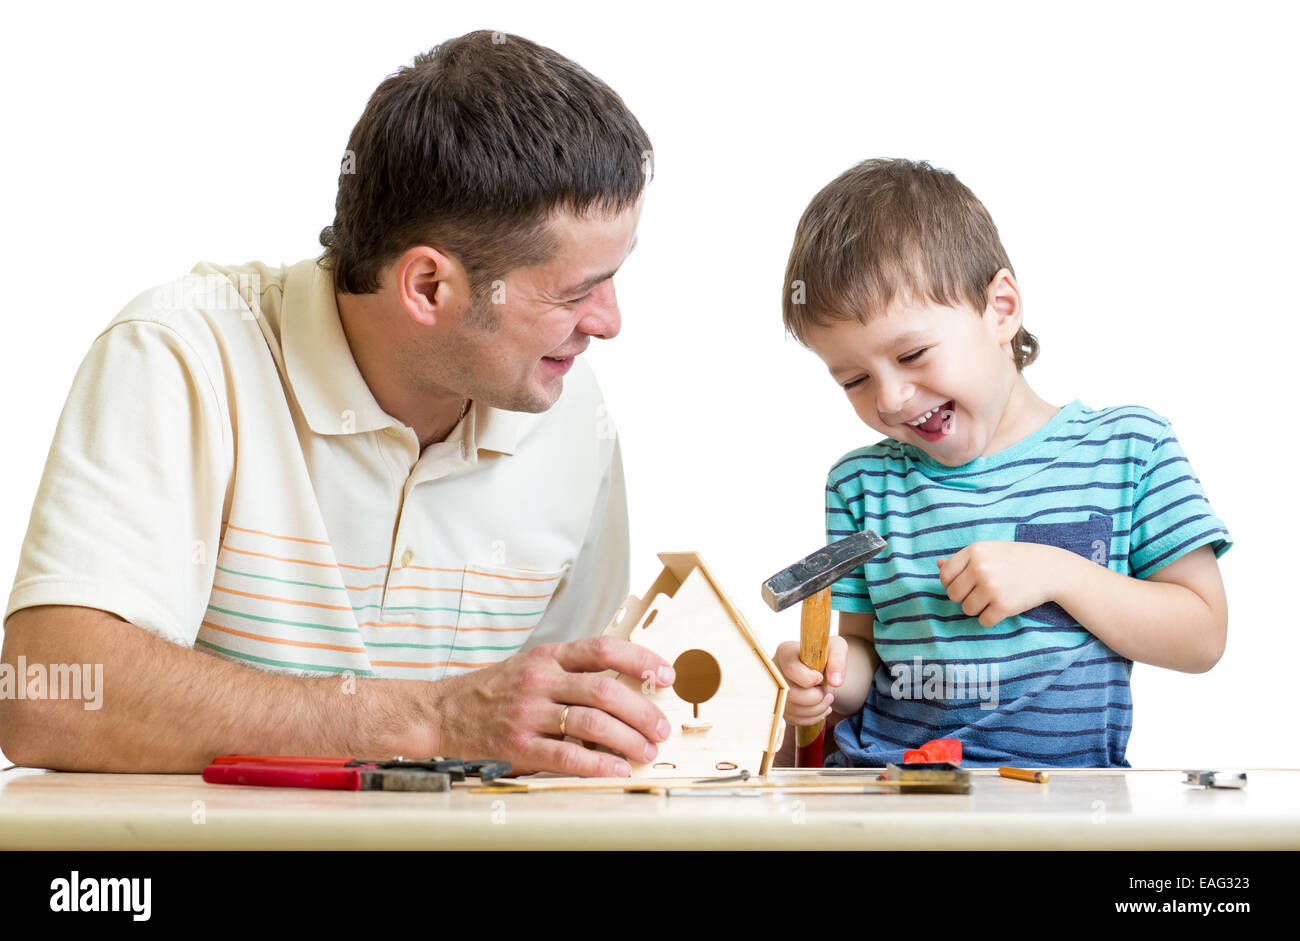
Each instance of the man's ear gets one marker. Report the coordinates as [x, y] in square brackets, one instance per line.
[1003, 298]
[430, 285]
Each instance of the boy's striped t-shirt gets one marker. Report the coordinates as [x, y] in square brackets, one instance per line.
[1112, 485]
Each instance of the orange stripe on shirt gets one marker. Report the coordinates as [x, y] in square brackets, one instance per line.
[464, 591]
[371, 568]
[309, 604]
[511, 578]
[324, 565]
[258, 532]
[443, 627]
[422, 666]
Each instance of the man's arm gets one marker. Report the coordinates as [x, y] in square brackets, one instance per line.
[1176, 618]
[167, 708]
[170, 709]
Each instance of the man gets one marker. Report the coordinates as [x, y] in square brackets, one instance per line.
[369, 504]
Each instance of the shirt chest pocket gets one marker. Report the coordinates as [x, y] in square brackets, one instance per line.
[1089, 538]
[499, 608]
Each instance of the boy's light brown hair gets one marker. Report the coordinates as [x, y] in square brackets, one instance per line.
[887, 229]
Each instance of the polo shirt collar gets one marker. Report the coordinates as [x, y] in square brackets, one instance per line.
[330, 389]
[496, 429]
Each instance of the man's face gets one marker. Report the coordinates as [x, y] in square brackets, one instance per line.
[512, 349]
[918, 357]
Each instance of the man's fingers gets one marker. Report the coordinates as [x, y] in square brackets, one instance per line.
[630, 720]
[567, 758]
[595, 725]
[594, 654]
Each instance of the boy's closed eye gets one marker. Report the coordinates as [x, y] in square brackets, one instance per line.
[906, 359]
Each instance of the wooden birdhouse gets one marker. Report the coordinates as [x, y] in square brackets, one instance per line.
[726, 705]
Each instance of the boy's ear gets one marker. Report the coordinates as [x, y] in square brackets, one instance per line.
[1003, 299]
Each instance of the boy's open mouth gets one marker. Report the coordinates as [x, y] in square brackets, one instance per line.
[932, 429]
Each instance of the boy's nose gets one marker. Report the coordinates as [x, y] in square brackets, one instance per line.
[892, 406]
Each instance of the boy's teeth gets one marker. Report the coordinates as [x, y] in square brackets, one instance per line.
[926, 417]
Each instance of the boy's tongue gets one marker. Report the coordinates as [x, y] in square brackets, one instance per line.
[935, 421]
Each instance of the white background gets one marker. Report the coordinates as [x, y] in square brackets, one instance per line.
[1139, 159]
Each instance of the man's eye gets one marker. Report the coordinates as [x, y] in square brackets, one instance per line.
[578, 300]
[850, 385]
[908, 359]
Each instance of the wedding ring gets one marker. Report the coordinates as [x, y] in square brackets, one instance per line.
[564, 714]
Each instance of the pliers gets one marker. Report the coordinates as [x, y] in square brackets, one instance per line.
[350, 774]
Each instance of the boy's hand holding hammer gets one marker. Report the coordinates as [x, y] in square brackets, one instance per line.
[811, 693]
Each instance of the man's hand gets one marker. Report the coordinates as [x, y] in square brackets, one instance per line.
[997, 580]
[512, 709]
[809, 699]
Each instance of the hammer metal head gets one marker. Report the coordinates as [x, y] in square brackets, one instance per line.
[824, 567]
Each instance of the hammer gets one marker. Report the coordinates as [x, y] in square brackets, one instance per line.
[809, 580]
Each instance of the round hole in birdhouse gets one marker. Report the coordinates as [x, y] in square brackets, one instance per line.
[698, 676]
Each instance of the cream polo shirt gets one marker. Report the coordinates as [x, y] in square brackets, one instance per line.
[222, 476]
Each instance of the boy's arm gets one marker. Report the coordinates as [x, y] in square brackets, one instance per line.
[858, 631]
[1175, 618]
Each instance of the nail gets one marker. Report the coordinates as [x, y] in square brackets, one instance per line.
[662, 729]
[650, 752]
[622, 769]
[835, 679]
[666, 675]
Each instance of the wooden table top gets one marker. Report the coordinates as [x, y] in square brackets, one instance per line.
[1077, 809]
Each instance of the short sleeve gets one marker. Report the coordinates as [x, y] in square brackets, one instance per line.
[850, 592]
[1171, 515]
[127, 517]
[600, 578]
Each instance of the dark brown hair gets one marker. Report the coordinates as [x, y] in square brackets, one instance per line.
[470, 149]
[889, 228]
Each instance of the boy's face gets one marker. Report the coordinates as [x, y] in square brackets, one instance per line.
[918, 357]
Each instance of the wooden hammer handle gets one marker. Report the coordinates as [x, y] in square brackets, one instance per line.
[814, 646]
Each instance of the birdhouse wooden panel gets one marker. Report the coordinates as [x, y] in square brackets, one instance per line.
[726, 704]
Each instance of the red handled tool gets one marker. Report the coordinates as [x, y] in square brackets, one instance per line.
[349, 774]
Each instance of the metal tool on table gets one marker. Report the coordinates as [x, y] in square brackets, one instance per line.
[1215, 778]
[944, 776]
[809, 580]
[350, 774]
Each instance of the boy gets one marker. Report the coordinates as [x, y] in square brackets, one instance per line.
[1034, 551]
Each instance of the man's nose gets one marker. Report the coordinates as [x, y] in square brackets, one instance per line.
[600, 315]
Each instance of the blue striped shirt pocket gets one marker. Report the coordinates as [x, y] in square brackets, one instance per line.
[1089, 538]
